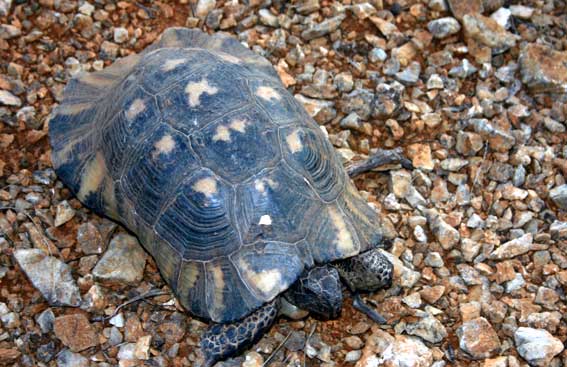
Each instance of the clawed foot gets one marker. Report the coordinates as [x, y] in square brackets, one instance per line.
[361, 306]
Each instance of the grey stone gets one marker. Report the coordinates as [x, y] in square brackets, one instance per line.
[120, 35]
[5, 6]
[50, 276]
[443, 27]
[204, 7]
[8, 31]
[69, 359]
[323, 28]
[559, 196]
[429, 329]
[513, 248]
[410, 75]
[537, 346]
[123, 262]
[45, 320]
[8, 99]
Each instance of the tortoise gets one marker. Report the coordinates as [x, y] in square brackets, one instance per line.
[196, 146]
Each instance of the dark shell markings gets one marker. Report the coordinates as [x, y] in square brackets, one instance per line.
[196, 147]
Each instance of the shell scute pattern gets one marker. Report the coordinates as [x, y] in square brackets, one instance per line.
[157, 166]
[312, 156]
[243, 140]
[165, 67]
[268, 268]
[202, 98]
[196, 222]
[274, 100]
[198, 148]
[273, 206]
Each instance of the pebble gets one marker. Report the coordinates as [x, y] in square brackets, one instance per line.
[323, 28]
[513, 248]
[559, 196]
[50, 276]
[90, 240]
[428, 328]
[204, 7]
[460, 8]
[478, 339]
[503, 17]
[253, 359]
[445, 234]
[120, 35]
[8, 31]
[45, 320]
[403, 351]
[75, 332]
[8, 99]
[409, 75]
[488, 32]
[443, 27]
[64, 213]
[5, 6]
[123, 263]
[521, 11]
[69, 359]
[543, 69]
[87, 9]
[537, 346]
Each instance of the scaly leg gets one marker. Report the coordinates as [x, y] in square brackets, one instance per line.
[380, 158]
[221, 341]
[366, 272]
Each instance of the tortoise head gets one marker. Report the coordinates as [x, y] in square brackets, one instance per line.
[318, 290]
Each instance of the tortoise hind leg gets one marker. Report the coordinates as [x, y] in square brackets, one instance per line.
[221, 341]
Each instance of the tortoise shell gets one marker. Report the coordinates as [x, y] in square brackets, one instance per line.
[196, 147]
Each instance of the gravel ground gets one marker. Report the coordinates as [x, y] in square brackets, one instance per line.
[473, 92]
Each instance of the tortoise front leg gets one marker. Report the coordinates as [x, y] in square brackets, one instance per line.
[379, 158]
[221, 341]
[366, 272]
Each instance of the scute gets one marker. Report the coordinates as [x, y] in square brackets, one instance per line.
[274, 100]
[274, 205]
[238, 145]
[197, 220]
[268, 268]
[202, 98]
[311, 155]
[165, 67]
[156, 167]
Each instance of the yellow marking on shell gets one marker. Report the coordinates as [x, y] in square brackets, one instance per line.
[268, 93]
[189, 274]
[195, 89]
[172, 64]
[294, 142]
[229, 58]
[343, 241]
[109, 196]
[269, 281]
[260, 184]
[72, 109]
[206, 186]
[96, 80]
[137, 107]
[93, 176]
[165, 145]
[222, 133]
[239, 125]
[218, 279]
